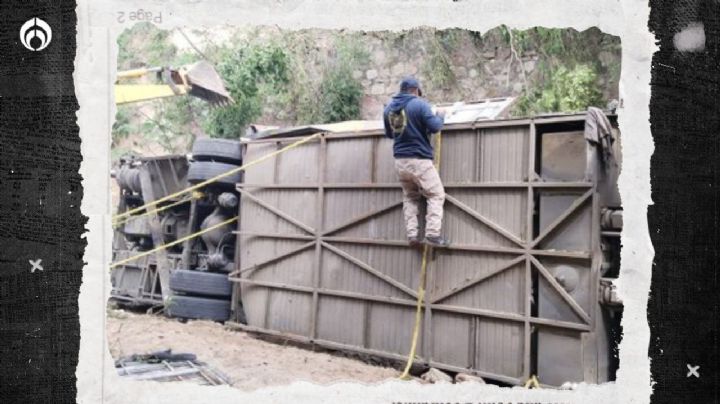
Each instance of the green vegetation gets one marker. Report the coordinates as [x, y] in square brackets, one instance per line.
[438, 66]
[260, 76]
[169, 123]
[252, 73]
[341, 96]
[565, 91]
[144, 45]
[122, 128]
[299, 77]
[569, 70]
[549, 41]
[340, 93]
[269, 76]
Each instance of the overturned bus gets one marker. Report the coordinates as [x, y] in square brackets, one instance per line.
[319, 254]
[525, 288]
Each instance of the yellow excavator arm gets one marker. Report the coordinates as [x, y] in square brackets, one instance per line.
[129, 93]
[199, 80]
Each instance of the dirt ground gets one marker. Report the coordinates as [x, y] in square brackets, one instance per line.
[249, 362]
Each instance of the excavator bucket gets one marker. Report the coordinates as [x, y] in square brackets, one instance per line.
[198, 80]
[205, 83]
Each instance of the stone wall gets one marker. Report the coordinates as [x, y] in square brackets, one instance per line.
[452, 65]
[470, 67]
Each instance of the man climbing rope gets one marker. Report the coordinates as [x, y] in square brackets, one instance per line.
[410, 122]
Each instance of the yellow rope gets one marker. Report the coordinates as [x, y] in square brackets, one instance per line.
[532, 382]
[418, 317]
[214, 179]
[194, 196]
[421, 288]
[168, 245]
[180, 202]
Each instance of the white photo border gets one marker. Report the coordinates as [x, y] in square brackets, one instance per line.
[98, 27]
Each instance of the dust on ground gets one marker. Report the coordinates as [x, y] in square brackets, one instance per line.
[250, 363]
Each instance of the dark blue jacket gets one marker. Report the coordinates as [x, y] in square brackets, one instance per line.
[421, 123]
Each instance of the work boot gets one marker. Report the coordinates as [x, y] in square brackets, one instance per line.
[414, 241]
[437, 241]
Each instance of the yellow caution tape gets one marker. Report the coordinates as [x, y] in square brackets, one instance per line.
[150, 212]
[195, 195]
[216, 178]
[421, 288]
[168, 245]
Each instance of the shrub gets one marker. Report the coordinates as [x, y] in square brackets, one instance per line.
[340, 93]
[340, 96]
[145, 45]
[123, 127]
[565, 91]
[252, 73]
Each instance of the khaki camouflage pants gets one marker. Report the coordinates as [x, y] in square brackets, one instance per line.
[419, 177]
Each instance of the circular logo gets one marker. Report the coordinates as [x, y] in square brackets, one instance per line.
[35, 34]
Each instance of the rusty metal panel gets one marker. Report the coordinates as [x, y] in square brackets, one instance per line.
[563, 156]
[163, 176]
[499, 347]
[340, 169]
[295, 307]
[352, 332]
[323, 255]
[263, 172]
[485, 155]
[298, 167]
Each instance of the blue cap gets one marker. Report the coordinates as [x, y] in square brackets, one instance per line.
[409, 82]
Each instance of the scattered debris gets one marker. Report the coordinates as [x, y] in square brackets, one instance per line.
[436, 376]
[464, 377]
[164, 366]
